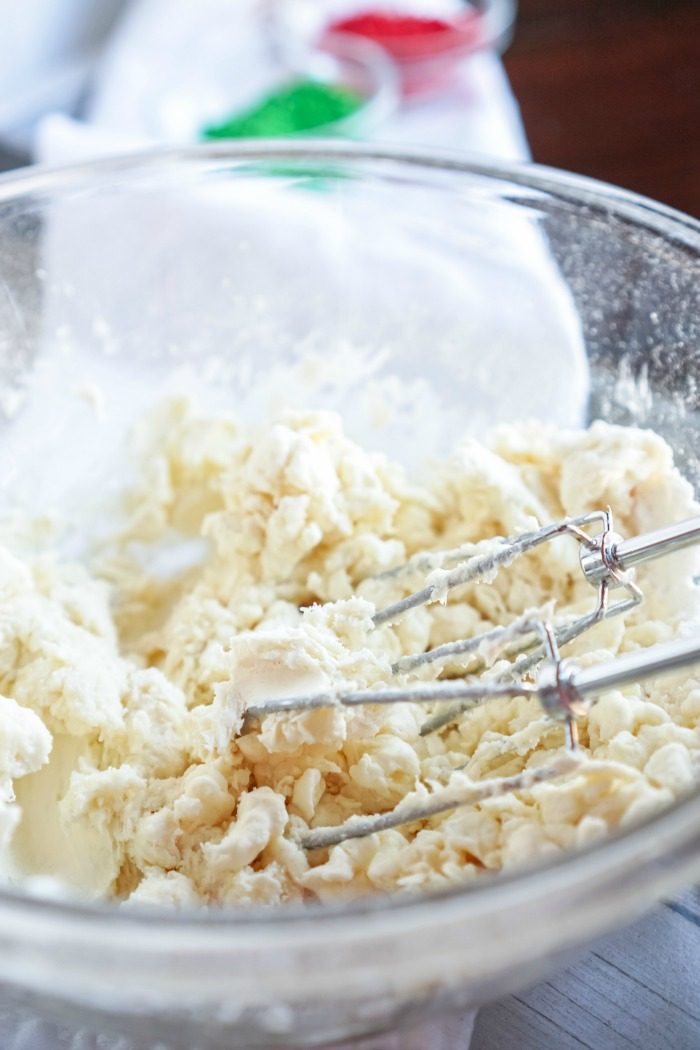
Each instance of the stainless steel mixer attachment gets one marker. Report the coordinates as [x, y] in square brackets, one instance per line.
[564, 690]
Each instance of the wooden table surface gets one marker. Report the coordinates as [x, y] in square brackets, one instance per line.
[637, 990]
[611, 88]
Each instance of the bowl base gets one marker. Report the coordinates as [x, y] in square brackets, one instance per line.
[21, 1029]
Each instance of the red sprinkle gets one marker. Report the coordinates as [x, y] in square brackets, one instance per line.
[389, 26]
[407, 36]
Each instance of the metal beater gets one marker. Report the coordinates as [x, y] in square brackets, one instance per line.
[564, 690]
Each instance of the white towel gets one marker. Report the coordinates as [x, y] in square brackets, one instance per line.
[488, 295]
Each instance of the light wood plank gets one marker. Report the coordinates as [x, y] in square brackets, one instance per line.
[637, 990]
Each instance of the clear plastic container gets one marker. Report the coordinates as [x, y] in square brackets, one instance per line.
[426, 62]
[211, 92]
[219, 264]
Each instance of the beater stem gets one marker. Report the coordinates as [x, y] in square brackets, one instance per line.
[524, 663]
[476, 568]
[430, 693]
[463, 792]
[562, 690]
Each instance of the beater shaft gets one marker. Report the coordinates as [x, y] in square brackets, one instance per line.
[638, 666]
[430, 693]
[572, 683]
[615, 556]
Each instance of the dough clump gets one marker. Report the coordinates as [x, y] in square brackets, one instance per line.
[248, 568]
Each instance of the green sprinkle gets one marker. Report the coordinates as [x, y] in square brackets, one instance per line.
[302, 105]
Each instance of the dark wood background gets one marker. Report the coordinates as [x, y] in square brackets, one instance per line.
[611, 88]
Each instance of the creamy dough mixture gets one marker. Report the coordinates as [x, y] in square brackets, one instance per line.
[243, 573]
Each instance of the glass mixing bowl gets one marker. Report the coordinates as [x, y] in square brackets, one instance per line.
[350, 277]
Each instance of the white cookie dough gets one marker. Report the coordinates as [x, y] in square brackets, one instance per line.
[244, 571]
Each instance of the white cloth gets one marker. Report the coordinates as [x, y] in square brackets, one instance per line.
[167, 59]
[48, 49]
[133, 94]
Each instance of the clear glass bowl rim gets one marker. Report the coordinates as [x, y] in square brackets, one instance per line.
[677, 827]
